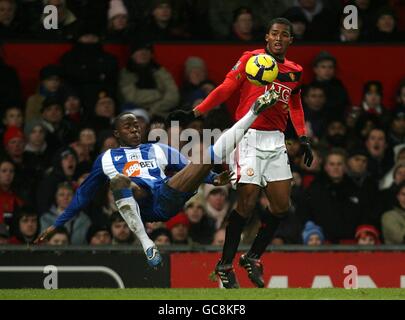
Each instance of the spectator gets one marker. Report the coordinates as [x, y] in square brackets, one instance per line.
[4, 234]
[333, 201]
[9, 200]
[221, 13]
[350, 35]
[380, 158]
[50, 86]
[179, 227]
[60, 237]
[90, 68]
[10, 28]
[36, 150]
[78, 226]
[10, 90]
[14, 145]
[62, 170]
[366, 14]
[299, 23]
[385, 29]
[242, 26]
[400, 107]
[161, 237]
[120, 231]
[195, 73]
[72, 106]
[13, 117]
[399, 154]
[58, 131]
[335, 136]
[98, 235]
[337, 98]
[146, 84]
[219, 237]
[393, 221]
[396, 134]
[118, 22]
[26, 227]
[372, 101]
[322, 23]
[202, 227]
[68, 25]
[314, 109]
[389, 195]
[357, 161]
[88, 139]
[104, 112]
[161, 25]
[367, 235]
[217, 203]
[106, 140]
[312, 235]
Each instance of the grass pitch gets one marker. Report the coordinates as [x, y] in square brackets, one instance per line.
[203, 294]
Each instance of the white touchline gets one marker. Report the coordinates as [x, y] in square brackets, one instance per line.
[94, 269]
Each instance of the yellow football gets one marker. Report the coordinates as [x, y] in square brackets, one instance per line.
[261, 69]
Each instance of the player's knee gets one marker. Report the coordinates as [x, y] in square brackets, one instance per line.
[120, 182]
[245, 208]
[280, 211]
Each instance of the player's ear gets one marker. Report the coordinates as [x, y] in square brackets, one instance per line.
[291, 39]
[266, 37]
[115, 132]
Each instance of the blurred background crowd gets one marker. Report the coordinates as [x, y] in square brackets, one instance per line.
[354, 192]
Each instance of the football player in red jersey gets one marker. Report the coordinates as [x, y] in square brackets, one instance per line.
[260, 161]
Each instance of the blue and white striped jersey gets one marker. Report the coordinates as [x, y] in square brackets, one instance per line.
[145, 165]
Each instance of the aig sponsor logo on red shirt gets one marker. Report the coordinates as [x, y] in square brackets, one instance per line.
[284, 91]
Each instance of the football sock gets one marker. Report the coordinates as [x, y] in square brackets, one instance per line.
[228, 141]
[270, 224]
[232, 236]
[129, 210]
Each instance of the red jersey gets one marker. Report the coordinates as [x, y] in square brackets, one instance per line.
[287, 84]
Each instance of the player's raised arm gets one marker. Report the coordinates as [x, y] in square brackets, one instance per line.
[298, 120]
[225, 90]
[81, 198]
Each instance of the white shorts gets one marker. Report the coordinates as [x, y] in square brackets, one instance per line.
[260, 157]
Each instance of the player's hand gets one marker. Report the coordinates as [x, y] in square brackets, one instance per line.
[305, 149]
[45, 235]
[181, 116]
[222, 179]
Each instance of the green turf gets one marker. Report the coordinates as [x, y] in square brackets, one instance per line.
[209, 294]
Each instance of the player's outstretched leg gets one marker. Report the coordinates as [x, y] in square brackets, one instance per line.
[129, 210]
[228, 141]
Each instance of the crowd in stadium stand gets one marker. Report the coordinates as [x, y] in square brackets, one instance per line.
[354, 192]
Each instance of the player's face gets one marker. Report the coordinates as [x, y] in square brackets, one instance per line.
[128, 131]
[278, 39]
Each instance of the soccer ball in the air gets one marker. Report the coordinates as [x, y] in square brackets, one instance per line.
[261, 69]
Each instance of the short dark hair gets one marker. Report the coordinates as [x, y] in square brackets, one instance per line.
[280, 21]
[61, 230]
[116, 217]
[118, 118]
